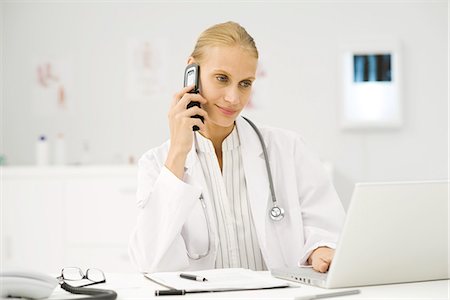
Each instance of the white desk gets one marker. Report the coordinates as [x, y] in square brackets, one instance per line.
[136, 286]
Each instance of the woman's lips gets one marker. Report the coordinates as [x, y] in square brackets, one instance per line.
[227, 112]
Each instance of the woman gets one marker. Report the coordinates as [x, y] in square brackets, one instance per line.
[204, 196]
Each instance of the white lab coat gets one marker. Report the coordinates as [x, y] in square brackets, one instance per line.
[171, 219]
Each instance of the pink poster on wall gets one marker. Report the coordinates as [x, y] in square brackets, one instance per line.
[147, 68]
[52, 83]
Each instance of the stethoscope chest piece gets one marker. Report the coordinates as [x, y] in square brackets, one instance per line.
[276, 213]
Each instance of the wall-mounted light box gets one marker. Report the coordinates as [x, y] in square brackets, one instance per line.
[370, 96]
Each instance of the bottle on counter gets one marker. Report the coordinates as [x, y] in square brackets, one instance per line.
[85, 153]
[42, 151]
[60, 150]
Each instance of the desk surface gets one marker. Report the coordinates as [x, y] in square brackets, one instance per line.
[136, 286]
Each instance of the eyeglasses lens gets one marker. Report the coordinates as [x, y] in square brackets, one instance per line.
[72, 274]
[95, 275]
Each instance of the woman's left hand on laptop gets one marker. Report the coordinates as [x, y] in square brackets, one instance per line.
[321, 258]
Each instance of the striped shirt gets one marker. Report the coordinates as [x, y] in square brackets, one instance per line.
[238, 243]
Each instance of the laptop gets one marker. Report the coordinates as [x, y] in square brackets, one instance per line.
[394, 232]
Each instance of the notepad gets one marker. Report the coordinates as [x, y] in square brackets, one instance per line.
[230, 279]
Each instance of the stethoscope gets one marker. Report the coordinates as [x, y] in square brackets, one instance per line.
[276, 213]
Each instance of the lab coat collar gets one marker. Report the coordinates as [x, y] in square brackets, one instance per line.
[258, 190]
[248, 139]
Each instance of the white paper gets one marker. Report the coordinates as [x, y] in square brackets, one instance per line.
[218, 280]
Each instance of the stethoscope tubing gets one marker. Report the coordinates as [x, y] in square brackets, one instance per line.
[208, 225]
[276, 213]
[266, 159]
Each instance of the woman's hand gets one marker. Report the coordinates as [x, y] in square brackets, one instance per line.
[181, 123]
[321, 259]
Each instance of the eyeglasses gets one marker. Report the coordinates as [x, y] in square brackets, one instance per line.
[74, 274]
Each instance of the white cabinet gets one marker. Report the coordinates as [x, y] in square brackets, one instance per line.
[67, 216]
[32, 229]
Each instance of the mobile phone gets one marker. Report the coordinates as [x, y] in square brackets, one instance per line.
[192, 76]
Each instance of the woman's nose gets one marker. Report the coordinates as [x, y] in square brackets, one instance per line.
[232, 96]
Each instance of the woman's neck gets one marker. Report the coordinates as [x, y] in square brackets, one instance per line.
[217, 134]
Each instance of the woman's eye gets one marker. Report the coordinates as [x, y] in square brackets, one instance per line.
[246, 84]
[222, 78]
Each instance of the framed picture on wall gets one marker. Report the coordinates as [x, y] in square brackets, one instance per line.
[370, 83]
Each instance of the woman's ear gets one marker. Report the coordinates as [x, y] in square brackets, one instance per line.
[191, 60]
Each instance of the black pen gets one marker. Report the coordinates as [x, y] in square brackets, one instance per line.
[169, 292]
[173, 292]
[193, 277]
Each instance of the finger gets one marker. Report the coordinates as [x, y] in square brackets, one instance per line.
[320, 266]
[187, 115]
[326, 259]
[323, 267]
[178, 95]
[321, 263]
[187, 98]
[195, 110]
[183, 91]
[198, 122]
[187, 122]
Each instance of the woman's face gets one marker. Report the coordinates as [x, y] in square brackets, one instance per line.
[226, 78]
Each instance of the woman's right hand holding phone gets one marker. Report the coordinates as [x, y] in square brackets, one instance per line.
[180, 124]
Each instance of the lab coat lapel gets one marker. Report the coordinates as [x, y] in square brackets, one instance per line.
[255, 176]
[194, 175]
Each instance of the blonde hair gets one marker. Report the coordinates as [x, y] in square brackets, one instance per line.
[224, 34]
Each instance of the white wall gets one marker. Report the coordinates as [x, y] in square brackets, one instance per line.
[298, 45]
